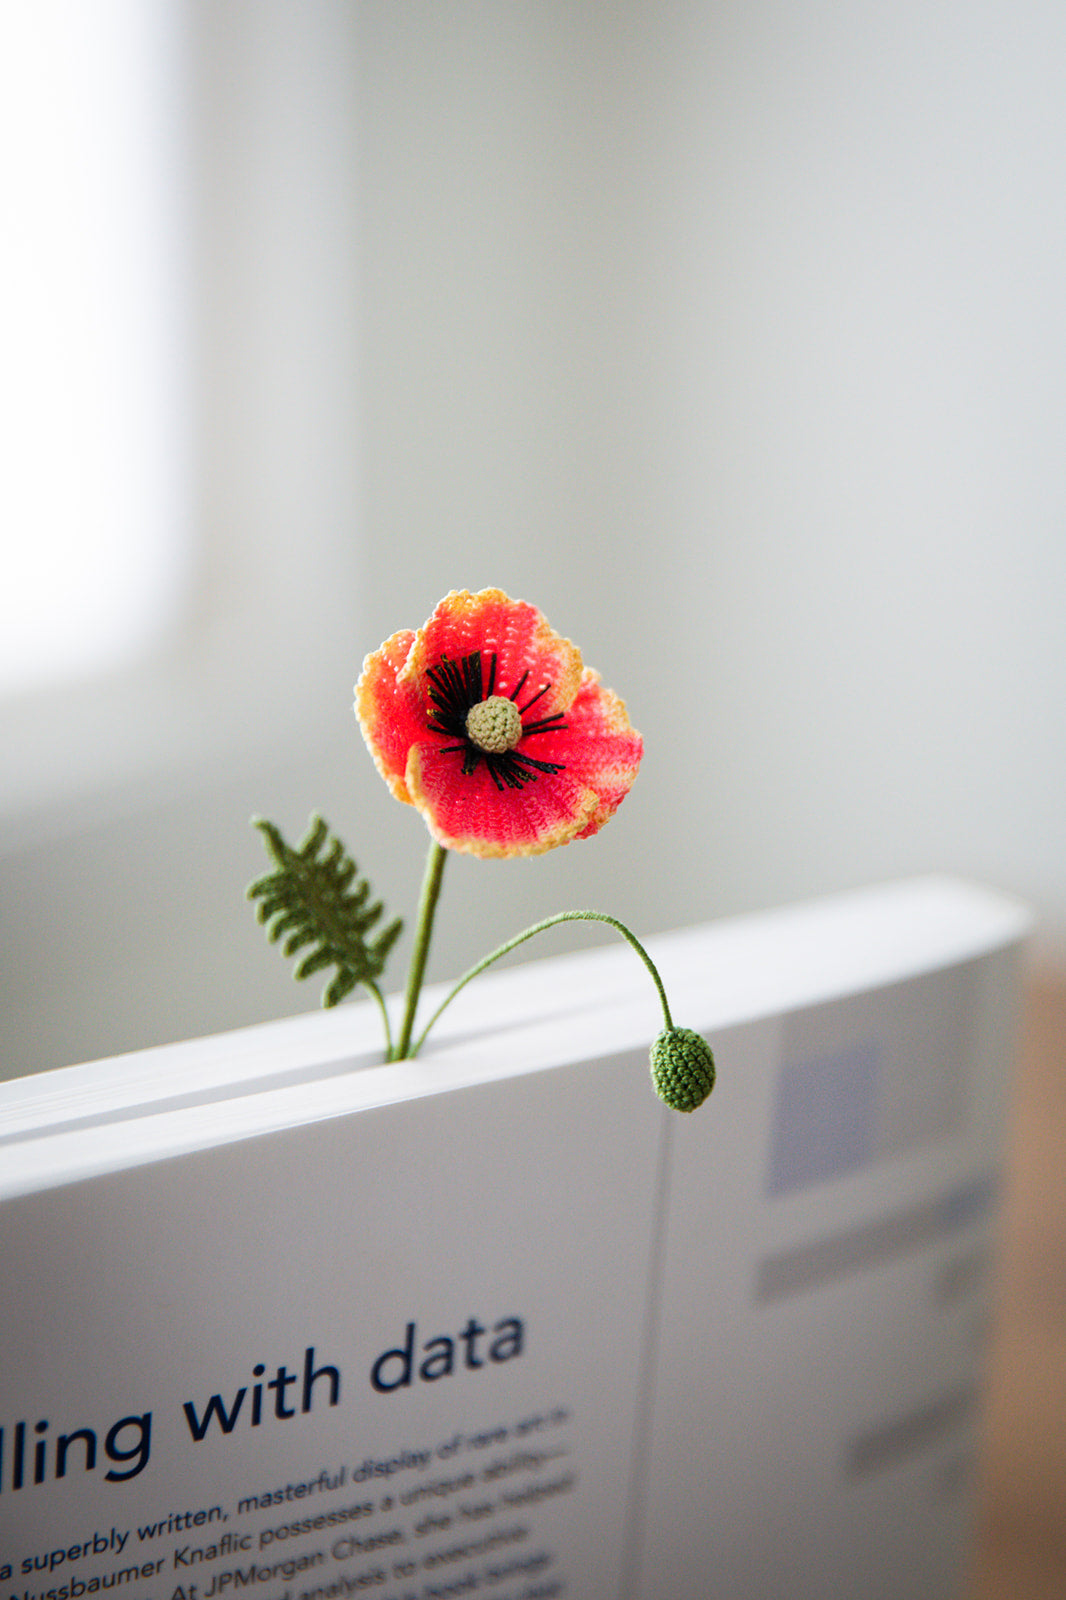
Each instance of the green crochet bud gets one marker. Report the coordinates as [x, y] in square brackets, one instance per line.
[682, 1068]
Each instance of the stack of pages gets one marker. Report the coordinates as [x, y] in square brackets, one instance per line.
[286, 1323]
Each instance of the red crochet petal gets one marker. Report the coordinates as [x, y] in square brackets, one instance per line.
[598, 745]
[523, 642]
[472, 815]
[391, 714]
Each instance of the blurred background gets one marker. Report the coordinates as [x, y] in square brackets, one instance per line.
[731, 334]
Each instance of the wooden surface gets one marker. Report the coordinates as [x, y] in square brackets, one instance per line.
[1022, 1547]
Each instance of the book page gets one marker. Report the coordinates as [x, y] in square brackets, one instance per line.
[397, 1353]
[816, 1387]
[497, 1323]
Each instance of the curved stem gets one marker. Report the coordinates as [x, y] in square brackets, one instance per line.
[540, 927]
[427, 906]
[368, 983]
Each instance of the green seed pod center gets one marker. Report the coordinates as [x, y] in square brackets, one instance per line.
[494, 725]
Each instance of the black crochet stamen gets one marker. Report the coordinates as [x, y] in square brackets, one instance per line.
[456, 686]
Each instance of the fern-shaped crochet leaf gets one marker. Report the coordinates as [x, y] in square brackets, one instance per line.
[319, 900]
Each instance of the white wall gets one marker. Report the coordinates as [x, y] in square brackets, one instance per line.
[732, 336]
[756, 380]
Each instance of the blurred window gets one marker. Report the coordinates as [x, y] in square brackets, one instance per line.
[94, 494]
[178, 361]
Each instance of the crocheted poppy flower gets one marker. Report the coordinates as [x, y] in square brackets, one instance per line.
[488, 722]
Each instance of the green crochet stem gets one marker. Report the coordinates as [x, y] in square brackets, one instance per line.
[529, 933]
[427, 907]
[369, 984]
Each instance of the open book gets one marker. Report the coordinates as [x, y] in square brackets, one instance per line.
[284, 1322]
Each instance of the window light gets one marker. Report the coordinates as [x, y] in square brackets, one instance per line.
[93, 493]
